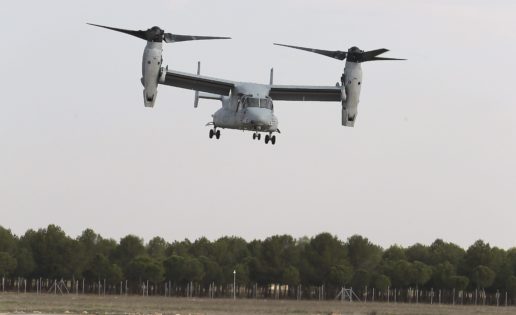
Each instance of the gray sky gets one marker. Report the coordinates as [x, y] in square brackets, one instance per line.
[432, 154]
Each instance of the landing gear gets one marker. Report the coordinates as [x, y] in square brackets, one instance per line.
[215, 133]
[256, 135]
[270, 138]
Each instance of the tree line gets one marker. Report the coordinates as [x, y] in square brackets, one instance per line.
[324, 259]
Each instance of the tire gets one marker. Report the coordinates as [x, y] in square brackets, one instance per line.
[211, 133]
[254, 136]
[217, 134]
[259, 136]
[273, 140]
[266, 139]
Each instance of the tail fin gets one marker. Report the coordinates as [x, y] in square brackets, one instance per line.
[196, 100]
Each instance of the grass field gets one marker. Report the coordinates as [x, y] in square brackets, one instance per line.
[37, 304]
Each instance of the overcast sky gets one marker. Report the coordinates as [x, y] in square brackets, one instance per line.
[432, 154]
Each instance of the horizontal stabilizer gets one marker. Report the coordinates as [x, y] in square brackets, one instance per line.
[210, 96]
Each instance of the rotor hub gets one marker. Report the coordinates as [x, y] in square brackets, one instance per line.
[154, 34]
[355, 54]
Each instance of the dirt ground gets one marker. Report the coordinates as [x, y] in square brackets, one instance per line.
[89, 304]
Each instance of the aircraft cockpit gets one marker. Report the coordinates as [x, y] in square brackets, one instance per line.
[248, 101]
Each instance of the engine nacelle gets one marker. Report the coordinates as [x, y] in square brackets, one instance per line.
[151, 72]
[351, 84]
[149, 97]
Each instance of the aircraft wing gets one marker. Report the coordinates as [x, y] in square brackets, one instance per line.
[198, 82]
[306, 93]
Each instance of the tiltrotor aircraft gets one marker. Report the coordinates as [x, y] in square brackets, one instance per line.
[249, 106]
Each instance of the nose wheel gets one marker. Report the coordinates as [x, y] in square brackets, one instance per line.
[256, 135]
[270, 138]
[214, 132]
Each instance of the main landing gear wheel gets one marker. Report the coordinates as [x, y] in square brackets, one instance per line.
[215, 133]
[272, 139]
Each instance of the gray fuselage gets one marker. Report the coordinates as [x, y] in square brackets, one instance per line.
[248, 108]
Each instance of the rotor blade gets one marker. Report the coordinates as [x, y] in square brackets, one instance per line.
[367, 55]
[139, 34]
[337, 54]
[173, 38]
[384, 58]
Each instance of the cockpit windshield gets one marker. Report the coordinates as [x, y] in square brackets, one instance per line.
[257, 102]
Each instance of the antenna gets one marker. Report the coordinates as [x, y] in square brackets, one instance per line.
[272, 76]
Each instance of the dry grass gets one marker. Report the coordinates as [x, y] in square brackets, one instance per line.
[36, 304]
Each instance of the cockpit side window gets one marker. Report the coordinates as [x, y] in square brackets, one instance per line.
[266, 103]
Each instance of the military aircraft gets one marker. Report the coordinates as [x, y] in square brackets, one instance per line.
[249, 106]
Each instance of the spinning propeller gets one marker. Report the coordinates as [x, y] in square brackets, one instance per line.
[156, 34]
[354, 54]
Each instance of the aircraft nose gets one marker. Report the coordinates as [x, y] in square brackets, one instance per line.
[259, 116]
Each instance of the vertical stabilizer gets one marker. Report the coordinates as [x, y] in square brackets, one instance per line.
[196, 100]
